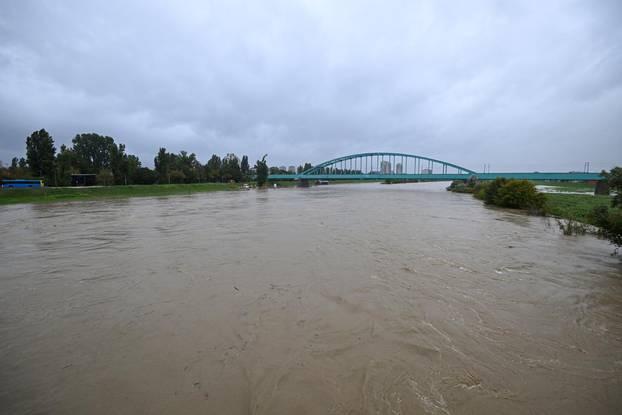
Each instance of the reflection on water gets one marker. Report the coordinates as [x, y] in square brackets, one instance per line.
[335, 299]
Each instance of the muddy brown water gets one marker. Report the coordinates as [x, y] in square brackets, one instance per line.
[345, 299]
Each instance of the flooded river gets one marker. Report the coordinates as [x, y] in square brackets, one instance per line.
[344, 299]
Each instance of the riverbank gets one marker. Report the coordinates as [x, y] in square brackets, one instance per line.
[573, 201]
[61, 194]
[575, 206]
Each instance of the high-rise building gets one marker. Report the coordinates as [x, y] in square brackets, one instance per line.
[385, 167]
[398, 168]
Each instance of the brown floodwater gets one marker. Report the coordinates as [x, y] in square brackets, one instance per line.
[343, 299]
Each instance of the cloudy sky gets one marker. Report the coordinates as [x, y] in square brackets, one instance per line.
[521, 85]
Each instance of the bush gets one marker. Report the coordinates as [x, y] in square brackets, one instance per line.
[491, 190]
[459, 186]
[520, 194]
[465, 186]
[517, 194]
[609, 222]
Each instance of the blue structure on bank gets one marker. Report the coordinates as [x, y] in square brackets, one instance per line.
[21, 184]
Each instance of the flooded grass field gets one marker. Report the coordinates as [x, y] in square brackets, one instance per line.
[349, 299]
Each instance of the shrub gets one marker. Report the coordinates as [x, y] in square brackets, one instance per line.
[520, 194]
[609, 222]
[517, 194]
[458, 186]
[491, 190]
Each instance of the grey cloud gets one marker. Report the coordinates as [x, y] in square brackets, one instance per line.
[520, 85]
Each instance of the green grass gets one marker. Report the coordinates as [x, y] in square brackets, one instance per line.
[573, 206]
[61, 194]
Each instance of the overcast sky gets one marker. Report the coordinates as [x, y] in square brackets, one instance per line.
[521, 85]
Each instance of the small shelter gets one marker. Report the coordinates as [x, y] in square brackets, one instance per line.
[83, 179]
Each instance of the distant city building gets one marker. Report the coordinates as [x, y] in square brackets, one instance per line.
[291, 169]
[385, 167]
[282, 168]
[426, 171]
[398, 168]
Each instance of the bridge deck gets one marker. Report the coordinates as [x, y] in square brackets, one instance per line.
[441, 177]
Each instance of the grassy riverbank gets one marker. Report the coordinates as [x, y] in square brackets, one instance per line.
[577, 205]
[574, 206]
[59, 194]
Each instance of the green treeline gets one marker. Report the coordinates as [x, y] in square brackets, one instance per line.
[91, 153]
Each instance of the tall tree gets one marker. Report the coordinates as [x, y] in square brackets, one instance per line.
[133, 167]
[213, 169]
[262, 171]
[40, 152]
[162, 166]
[245, 168]
[93, 152]
[65, 161]
[119, 164]
[231, 168]
[189, 166]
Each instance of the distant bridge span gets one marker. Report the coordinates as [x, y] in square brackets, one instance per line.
[401, 166]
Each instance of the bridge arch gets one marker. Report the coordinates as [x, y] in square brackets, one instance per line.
[384, 163]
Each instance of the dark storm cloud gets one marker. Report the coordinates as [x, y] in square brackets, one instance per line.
[520, 85]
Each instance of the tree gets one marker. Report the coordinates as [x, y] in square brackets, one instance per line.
[188, 165]
[231, 168]
[162, 166]
[14, 171]
[133, 166]
[65, 161]
[105, 177]
[144, 175]
[245, 168]
[609, 222]
[614, 180]
[93, 152]
[262, 171]
[212, 169]
[40, 152]
[119, 163]
[23, 163]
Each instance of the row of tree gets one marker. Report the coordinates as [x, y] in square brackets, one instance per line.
[96, 154]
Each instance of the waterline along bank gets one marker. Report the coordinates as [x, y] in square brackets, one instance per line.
[63, 194]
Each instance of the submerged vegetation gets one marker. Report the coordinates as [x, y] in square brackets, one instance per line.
[575, 214]
[516, 194]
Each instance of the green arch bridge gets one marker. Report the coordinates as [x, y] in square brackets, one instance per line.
[400, 166]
